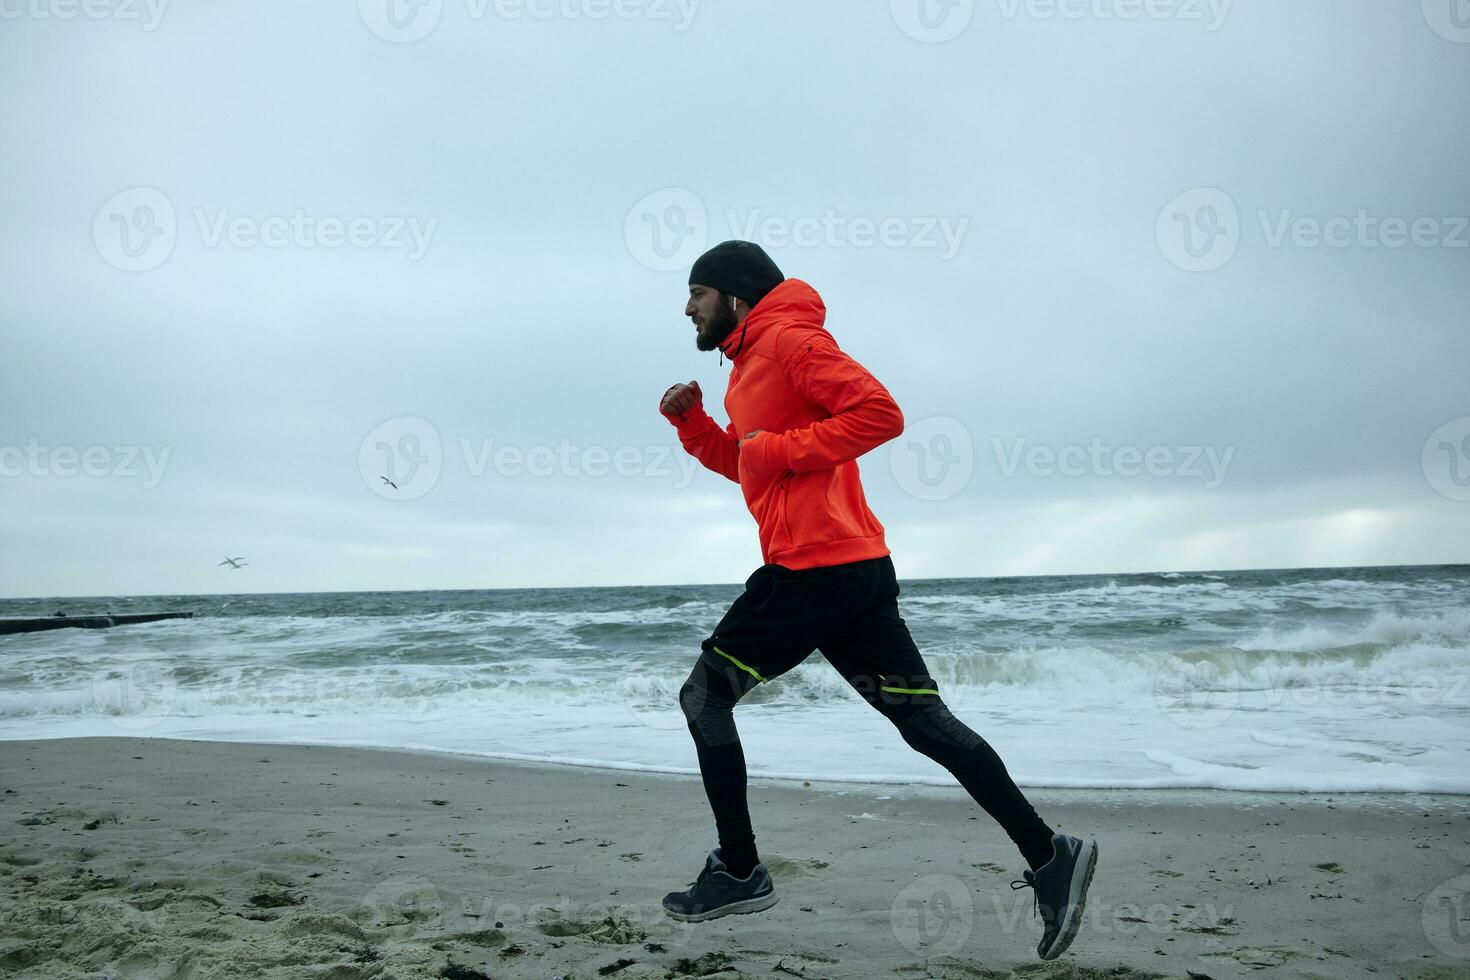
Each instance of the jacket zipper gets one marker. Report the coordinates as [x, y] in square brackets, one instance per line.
[785, 520]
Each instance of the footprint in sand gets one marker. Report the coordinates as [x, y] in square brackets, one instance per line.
[209, 833]
[782, 867]
[399, 901]
[1261, 957]
[1226, 926]
[614, 928]
[172, 901]
[492, 938]
[83, 818]
[308, 921]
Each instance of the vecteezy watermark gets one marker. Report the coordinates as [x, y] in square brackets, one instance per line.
[1200, 230]
[932, 915]
[932, 21]
[1450, 19]
[937, 21]
[137, 229]
[667, 229]
[1161, 919]
[34, 459]
[134, 697]
[405, 21]
[1445, 917]
[1196, 696]
[1014, 908]
[1210, 13]
[934, 458]
[567, 459]
[301, 229]
[1362, 229]
[936, 914]
[418, 900]
[147, 13]
[1207, 463]
[403, 459]
[1446, 459]
[936, 233]
[400, 21]
[401, 900]
[139, 695]
[1203, 694]
[311, 693]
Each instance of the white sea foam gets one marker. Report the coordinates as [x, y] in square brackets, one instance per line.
[1334, 685]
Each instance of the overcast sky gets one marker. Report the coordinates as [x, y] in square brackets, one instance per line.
[1158, 286]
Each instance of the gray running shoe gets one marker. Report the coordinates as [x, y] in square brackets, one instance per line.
[1061, 891]
[716, 892]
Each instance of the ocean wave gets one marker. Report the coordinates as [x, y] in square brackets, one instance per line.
[1265, 680]
[1113, 590]
[1384, 629]
[1420, 662]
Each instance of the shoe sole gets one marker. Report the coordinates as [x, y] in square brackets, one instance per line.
[1078, 902]
[758, 904]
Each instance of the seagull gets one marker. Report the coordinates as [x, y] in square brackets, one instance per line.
[389, 482]
[234, 562]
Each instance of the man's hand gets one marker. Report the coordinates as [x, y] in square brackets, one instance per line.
[681, 398]
[749, 436]
[763, 458]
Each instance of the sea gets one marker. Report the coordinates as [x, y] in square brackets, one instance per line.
[1335, 680]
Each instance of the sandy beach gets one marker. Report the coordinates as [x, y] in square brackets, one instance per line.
[169, 859]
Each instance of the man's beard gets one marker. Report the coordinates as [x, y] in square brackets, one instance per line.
[717, 326]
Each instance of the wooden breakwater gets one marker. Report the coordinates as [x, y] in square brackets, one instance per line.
[35, 624]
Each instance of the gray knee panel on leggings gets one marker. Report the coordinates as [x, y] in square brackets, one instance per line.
[709, 711]
[934, 724]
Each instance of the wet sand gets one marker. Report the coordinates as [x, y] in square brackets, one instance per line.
[166, 859]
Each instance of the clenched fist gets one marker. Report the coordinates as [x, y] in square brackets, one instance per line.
[681, 398]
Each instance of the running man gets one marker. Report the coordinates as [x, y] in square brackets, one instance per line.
[801, 414]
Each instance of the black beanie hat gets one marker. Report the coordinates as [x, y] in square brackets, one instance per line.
[740, 269]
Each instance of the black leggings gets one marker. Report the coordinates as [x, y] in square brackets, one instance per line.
[872, 635]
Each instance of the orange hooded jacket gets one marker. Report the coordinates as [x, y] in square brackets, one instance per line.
[819, 411]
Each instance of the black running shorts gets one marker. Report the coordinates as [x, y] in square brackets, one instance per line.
[849, 612]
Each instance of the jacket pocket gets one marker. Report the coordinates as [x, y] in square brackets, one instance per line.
[780, 515]
[823, 506]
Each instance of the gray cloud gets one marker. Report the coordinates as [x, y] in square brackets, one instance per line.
[532, 318]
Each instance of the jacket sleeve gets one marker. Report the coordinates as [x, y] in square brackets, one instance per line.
[716, 448]
[863, 413]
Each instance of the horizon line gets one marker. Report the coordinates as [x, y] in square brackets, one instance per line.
[543, 588]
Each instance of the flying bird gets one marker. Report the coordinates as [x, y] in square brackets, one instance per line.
[234, 562]
[389, 482]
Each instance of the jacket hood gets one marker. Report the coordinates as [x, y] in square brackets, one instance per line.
[793, 301]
